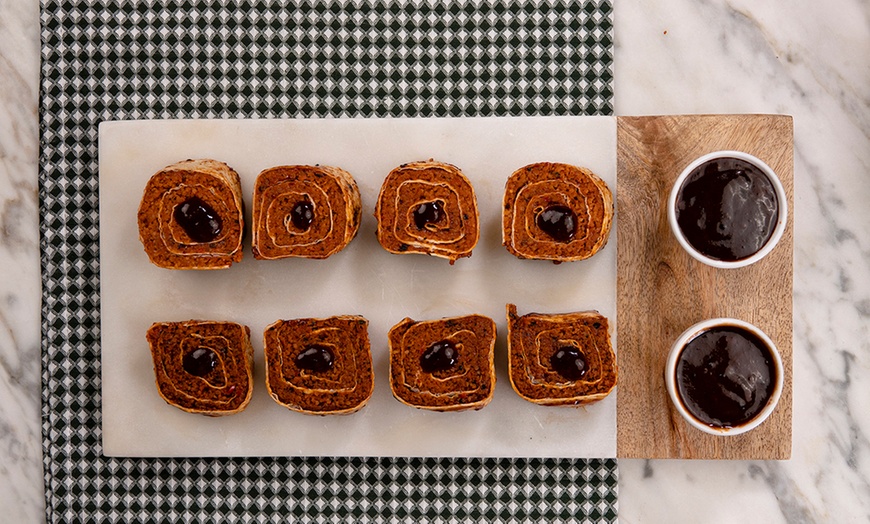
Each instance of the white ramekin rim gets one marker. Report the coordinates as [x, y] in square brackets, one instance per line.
[671, 379]
[782, 210]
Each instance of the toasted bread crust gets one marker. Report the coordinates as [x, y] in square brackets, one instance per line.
[408, 186]
[166, 243]
[227, 389]
[469, 384]
[533, 188]
[532, 340]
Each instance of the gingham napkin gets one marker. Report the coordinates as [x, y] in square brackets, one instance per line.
[144, 59]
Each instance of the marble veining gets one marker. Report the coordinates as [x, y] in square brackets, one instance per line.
[807, 60]
[21, 491]
[801, 57]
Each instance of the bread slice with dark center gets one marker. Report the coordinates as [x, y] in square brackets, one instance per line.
[443, 365]
[203, 366]
[560, 359]
[319, 366]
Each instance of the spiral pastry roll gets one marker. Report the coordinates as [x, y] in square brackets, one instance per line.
[428, 207]
[304, 211]
[203, 366]
[319, 366]
[561, 359]
[443, 365]
[191, 216]
[556, 212]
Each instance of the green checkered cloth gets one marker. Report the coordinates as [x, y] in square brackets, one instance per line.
[146, 59]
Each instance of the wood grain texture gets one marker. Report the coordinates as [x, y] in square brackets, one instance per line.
[661, 290]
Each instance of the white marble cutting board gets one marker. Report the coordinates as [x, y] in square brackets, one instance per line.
[363, 279]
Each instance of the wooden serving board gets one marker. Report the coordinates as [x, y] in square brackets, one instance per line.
[661, 290]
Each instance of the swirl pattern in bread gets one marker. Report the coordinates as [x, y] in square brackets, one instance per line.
[203, 366]
[304, 211]
[538, 374]
[319, 366]
[430, 208]
[421, 376]
[191, 216]
[556, 212]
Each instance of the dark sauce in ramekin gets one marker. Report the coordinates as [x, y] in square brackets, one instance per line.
[725, 376]
[727, 209]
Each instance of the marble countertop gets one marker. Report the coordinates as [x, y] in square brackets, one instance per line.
[803, 58]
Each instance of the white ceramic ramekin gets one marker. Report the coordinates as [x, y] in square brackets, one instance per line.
[671, 376]
[782, 209]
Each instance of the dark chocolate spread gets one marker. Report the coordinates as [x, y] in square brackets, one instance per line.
[569, 362]
[727, 209]
[198, 219]
[559, 222]
[199, 362]
[302, 215]
[440, 356]
[725, 376]
[428, 213]
[315, 358]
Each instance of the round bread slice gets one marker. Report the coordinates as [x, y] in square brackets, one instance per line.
[319, 366]
[304, 211]
[425, 374]
[556, 212]
[192, 216]
[430, 208]
[203, 366]
[561, 359]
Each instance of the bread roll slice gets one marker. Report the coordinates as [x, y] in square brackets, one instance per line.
[561, 359]
[203, 366]
[319, 366]
[556, 212]
[429, 208]
[192, 216]
[304, 211]
[443, 365]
